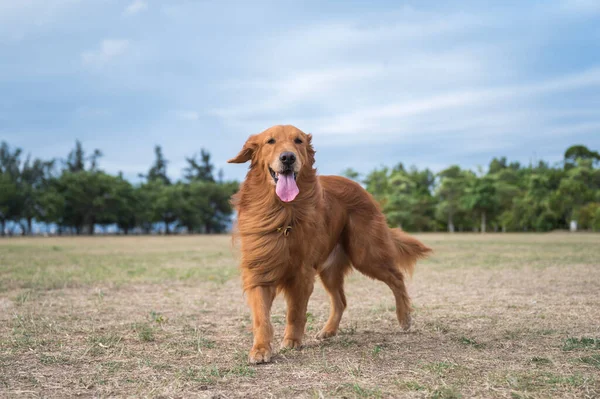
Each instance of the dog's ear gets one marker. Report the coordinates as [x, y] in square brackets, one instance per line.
[311, 151]
[247, 151]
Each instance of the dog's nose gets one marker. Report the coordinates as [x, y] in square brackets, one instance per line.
[287, 158]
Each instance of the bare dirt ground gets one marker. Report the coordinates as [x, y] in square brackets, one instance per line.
[499, 315]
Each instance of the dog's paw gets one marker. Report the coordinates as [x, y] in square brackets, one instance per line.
[406, 322]
[259, 355]
[324, 334]
[291, 344]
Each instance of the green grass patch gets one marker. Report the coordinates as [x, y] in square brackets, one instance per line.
[358, 391]
[157, 317]
[53, 359]
[211, 375]
[439, 367]
[593, 360]
[202, 375]
[197, 340]
[25, 296]
[112, 366]
[376, 350]
[37, 265]
[101, 344]
[446, 393]
[412, 386]
[144, 331]
[470, 342]
[105, 340]
[540, 361]
[346, 342]
[536, 381]
[571, 344]
[437, 326]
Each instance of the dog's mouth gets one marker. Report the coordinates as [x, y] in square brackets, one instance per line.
[285, 184]
[276, 175]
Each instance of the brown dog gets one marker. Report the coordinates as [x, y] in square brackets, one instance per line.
[294, 225]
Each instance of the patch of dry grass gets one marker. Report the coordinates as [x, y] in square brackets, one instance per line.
[508, 316]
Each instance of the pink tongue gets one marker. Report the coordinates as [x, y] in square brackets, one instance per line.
[286, 188]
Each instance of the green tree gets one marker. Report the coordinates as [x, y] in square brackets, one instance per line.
[531, 210]
[449, 193]
[158, 171]
[34, 180]
[89, 199]
[10, 160]
[497, 164]
[579, 187]
[377, 183]
[351, 174]
[52, 205]
[575, 152]
[9, 199]
[405, 196]
[589, 217]
[508, 187]
[164, 200]
[480, 198]
[76, 159]
[199, 167]
[205, 206]
[511, 196]
[126, 209]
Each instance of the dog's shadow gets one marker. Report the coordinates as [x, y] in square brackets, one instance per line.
[352, 341]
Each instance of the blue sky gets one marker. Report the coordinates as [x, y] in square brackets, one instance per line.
[420, 82]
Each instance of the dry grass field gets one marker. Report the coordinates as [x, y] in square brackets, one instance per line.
[496, 316]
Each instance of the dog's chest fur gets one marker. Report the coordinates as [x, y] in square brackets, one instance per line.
[299, 246]
[271, 256]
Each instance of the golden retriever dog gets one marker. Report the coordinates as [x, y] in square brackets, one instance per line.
[294, 225]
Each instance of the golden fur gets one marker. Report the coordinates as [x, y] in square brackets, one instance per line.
[331, 225]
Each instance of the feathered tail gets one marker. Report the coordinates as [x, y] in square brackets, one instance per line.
[409, 250]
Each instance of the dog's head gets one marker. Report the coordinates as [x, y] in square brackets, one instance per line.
[283, 154]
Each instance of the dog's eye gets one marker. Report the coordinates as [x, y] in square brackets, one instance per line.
[271, 141]
[297, 141]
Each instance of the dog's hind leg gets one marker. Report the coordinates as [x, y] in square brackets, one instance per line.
[332, 277]
[376, 255]
[393, 277]
[382, 253]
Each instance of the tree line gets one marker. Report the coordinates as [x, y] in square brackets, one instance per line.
[505, 197]
[75, 196]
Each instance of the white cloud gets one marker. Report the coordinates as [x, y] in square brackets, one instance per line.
[371, 118]
[87, 112]
[579, 127]
[288, 91]
[18, 18]
[432, 84]
[369, 66]
[18, 9]
[581, 6]
[487, 120]
[187, 115]
[109, 49]
[389, 33]
[136, 7]
[398, 74]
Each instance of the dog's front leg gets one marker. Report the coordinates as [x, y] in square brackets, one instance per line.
[297, 293]
[260, 300]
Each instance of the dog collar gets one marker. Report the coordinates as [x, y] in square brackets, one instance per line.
[285, 230]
